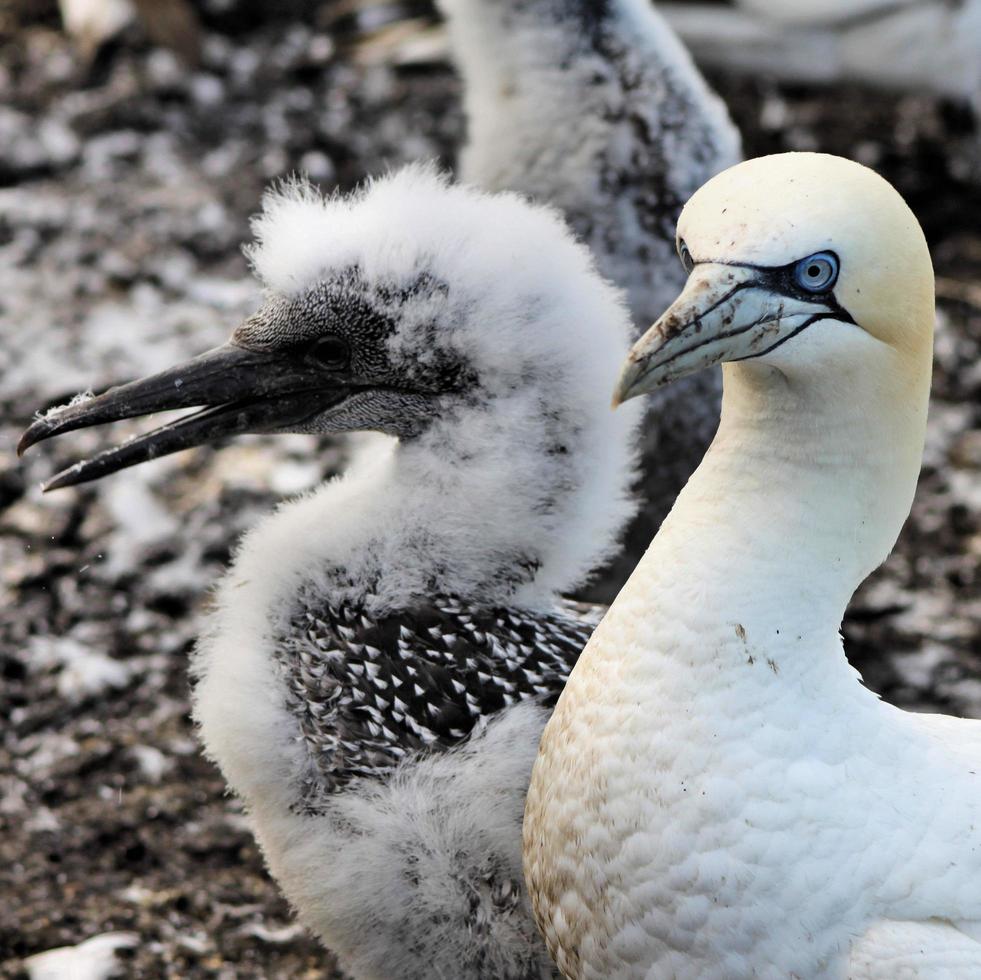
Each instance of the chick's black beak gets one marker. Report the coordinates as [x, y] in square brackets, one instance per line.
[237, 391]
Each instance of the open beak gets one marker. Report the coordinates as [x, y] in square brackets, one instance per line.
[237, 391]
[725, 313]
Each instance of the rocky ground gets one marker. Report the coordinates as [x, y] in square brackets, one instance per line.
[125, 185]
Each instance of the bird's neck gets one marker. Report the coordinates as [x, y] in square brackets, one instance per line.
[801, 495]
[511, 505]
[507, 506]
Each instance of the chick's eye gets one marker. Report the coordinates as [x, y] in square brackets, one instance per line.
[686, 260]
[817, 273]
[330, 352]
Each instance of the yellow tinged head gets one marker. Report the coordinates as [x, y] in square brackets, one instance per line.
[774, 210]
[804, 262]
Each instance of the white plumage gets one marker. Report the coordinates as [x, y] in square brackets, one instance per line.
[385, 650]
[717, 795]
[905, 45]
[93, 959]
[503, 281]
[597, 109]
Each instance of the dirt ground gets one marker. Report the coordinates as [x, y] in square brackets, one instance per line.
[125, 187]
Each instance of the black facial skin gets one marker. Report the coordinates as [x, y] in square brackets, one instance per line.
[779, 280]
[319, 362]
[783, 281]
[686, 260]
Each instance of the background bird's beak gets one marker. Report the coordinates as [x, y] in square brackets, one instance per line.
[237, 391]
[726, 313]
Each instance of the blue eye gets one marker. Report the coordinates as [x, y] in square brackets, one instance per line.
[817, 273]
[686, 260]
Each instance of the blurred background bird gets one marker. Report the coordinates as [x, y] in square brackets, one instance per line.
[909, 46]
[598, 110]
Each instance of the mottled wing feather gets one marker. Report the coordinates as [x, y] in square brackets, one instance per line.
[368, 692]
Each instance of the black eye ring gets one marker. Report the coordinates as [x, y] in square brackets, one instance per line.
[817, 273]
[330, 352]
[686, 260]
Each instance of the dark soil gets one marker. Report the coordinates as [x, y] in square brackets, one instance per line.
[125, 187]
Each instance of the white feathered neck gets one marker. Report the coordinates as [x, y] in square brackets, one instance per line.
[801, 495]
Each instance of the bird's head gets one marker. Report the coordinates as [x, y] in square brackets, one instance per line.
[404, 308]
[800, 261]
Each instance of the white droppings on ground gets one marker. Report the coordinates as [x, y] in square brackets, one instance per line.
[44, 752]
[94, 959]
[285, 934]
[85, 671]
[916, 668]
[152, 762]
[12, 795]
[295, 476]
[43, 821]
[965, 489]
[198, 943]
[141, 521]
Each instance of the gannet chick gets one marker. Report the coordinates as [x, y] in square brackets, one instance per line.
[909, 46]
[717, 795]
[597, 109]
[385, 651]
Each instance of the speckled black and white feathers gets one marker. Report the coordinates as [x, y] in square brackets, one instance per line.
[369, 692]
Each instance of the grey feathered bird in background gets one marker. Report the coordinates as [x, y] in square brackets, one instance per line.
[595, 107]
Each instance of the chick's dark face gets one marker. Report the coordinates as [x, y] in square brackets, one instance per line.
[337, 357]
[383, 346]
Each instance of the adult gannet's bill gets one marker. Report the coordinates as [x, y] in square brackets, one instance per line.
[716, 794]
[385, 651]
[597, 109]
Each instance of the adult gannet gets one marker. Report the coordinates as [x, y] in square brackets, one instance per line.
[412, 606]
[717, 795]
[597, 109]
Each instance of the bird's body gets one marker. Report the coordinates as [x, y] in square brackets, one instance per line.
[908, 46]
[384, 652]
[598, 110]
[717, 795]
[384, 756]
